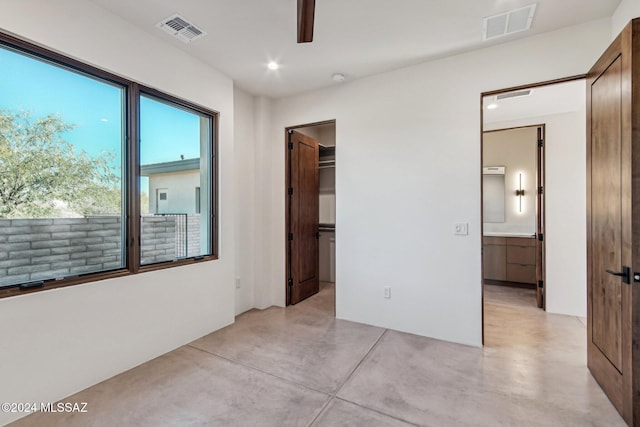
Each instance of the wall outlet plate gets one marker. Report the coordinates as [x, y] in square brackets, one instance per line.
[387, 292]
[461, 228]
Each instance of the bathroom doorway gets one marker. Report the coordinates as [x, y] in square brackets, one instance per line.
[513, 212]
[548, 196]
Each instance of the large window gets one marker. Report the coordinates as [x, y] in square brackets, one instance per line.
[61, 175]
[97, 174]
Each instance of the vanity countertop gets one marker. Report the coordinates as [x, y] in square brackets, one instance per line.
[508, 234]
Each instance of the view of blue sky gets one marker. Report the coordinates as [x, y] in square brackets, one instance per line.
[167, 132]
[94, 108]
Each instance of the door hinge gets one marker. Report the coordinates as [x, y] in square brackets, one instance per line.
[541, 237]
[290, 282]
[541, 143]
[540, 284]
[290, 145]
[290, 191]
[290, 236]
[317, 235]
[540, 190]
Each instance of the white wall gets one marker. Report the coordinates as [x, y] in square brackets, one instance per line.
[245, 179]
[328, 136]
[58, 342]
[268, 288]
[181, 191]
[565, 210]
[409, 167]
[626, 11]
[515, 149]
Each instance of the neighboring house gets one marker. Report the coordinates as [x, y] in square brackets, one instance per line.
[174, 187]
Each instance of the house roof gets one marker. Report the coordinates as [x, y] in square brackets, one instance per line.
[170, 167]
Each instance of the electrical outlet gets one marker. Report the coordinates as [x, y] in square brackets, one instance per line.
[237, 283]
[461, 228]
[387, 292]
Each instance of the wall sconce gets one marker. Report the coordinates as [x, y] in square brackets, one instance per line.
[520, 192]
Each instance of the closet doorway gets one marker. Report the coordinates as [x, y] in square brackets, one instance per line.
[310, 212]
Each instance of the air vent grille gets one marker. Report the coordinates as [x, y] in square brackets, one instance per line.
[507, 23]
[181, 28]
[516, 94]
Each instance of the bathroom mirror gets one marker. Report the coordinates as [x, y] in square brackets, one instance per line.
[493, 193]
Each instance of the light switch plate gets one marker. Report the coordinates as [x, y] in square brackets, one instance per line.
[461, 228]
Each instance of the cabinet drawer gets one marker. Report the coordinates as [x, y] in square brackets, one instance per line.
[492, 240]
[521, 273]
[521, 254]
[521, 241]
[495, 262]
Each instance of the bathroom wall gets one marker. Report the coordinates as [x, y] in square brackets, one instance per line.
[515, 149]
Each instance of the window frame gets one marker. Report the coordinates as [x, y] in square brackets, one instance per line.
[213, 175]
[130, 173]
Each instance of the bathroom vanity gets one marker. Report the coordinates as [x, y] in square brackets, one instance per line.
[509, 257]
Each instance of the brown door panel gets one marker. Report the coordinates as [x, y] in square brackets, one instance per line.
[612, 325]
[303, 217]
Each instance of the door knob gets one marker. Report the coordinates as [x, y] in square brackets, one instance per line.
[625, 274]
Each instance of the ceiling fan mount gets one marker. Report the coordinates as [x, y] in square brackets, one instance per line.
[306, 12]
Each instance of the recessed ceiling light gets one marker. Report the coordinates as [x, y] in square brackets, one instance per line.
[273, 65]
[492, 106]
[338, 77]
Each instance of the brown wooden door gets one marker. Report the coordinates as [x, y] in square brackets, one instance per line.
[540, 293]
[612, 329]
[303, 202]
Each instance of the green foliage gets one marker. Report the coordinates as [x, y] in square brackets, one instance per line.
[39, 168]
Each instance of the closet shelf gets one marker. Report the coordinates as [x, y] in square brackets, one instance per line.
[324, 164]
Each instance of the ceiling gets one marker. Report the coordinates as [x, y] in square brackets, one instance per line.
[354, 37]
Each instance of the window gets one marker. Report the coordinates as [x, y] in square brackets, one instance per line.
[67, 186]
[175, 156]
[61, 186]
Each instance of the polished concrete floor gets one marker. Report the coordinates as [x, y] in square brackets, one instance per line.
[300, 366]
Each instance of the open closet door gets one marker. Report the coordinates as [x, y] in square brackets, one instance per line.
[613, 222]
[303, 205]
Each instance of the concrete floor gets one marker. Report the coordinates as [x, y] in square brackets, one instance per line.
[300, 366]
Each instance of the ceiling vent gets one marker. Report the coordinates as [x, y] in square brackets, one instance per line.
[515, 94]
[508, 23]
[181, 29]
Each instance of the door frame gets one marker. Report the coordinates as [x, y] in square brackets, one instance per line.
[482, 96]
[287, 207]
